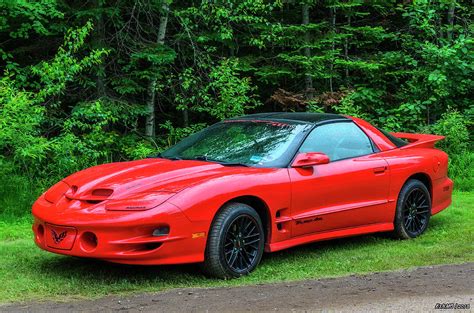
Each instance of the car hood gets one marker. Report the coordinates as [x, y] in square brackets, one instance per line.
[125, 179]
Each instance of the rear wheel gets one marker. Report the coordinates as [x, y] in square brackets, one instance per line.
[235, 243]
[413, 210]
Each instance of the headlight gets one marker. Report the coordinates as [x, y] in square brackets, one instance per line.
[139, 202]
[55, 193]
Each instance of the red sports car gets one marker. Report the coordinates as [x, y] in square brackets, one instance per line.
[262, 182]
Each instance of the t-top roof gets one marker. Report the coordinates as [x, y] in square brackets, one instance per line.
[295, 116]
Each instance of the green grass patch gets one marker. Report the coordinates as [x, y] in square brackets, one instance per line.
[28, 273]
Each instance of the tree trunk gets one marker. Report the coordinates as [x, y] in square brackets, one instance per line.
[333, 48]
[99, 43]
[346, 50]
[150, 105]
[186, 117]
[439, 24]
[452, 6]
[307, 53]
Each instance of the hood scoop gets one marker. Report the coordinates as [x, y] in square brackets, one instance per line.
[102, 192]
[93, 196]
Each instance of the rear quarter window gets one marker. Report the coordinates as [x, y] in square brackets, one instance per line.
[395, 140]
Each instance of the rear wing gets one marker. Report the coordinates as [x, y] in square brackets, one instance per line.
[418, 140]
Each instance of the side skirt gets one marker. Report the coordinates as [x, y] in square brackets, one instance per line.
[340, 233]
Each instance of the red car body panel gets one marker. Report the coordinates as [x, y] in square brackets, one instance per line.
[110, 211]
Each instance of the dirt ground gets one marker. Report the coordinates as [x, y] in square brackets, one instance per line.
[414, 290]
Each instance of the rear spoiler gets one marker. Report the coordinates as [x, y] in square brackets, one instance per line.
[418, 140]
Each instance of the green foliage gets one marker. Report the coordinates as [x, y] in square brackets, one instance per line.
[175, 134]
[230, 94]
[433, 69]
[20, 118]
[22, 19]
[453, 126]
[88, 137]
[458, 145]
[77, 75]
[224, 94]
[66, 65]
[85, 137]
[349, 106]
[224, 20]
[461, 170]
[38, 13]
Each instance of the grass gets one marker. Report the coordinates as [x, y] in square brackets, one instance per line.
[28, 273]
[17, 194]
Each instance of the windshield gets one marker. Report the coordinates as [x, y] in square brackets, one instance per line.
[245, 142]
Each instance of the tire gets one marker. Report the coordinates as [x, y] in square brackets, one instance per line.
[229, 255]
[413, 210]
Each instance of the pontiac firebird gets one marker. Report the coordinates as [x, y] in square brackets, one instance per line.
[261, 182]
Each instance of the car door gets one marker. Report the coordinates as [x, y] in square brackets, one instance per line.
[350, 191]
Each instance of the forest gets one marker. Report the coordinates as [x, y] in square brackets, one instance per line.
[94, 81]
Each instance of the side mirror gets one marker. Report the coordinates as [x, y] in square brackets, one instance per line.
[309, 159]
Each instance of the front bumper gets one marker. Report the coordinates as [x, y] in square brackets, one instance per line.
[121, 237]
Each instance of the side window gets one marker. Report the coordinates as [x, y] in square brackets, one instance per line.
[338, 140]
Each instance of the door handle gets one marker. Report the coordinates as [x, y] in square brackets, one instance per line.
[380, 170]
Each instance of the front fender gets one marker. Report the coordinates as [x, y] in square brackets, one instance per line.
[201, 202]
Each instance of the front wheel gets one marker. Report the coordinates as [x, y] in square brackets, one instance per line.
[413, 210]
[235, 243]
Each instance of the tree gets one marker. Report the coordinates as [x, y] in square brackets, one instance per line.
[150, 118]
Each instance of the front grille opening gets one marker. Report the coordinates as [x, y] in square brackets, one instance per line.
[148, 246]
[94, 201]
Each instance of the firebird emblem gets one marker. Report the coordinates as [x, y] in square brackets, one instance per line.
[58, 238]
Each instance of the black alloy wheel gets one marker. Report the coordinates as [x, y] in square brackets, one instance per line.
[413, 210]
[235, 242]
[416, 212]
[242, 243]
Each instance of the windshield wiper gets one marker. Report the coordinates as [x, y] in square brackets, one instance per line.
[224, 163]
[201, 158]
[233, 164]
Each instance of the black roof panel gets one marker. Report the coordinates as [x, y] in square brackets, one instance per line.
[295, 116]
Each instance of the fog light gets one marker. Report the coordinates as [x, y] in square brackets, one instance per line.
[161, 231]
[88, 241]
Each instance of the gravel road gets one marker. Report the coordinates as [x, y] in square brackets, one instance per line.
[416, 290]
